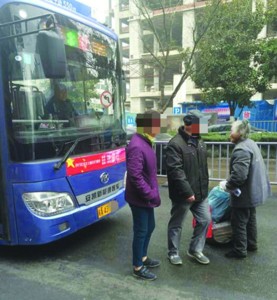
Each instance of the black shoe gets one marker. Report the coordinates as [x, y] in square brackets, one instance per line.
[252, 248]
[233, 254]
[144, 274]
[151, 263]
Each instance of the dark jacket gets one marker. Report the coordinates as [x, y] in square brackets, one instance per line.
[141, 183]
[248, 173]
[187, 167]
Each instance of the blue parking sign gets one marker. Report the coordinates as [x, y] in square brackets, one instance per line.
[177, 110]
[130, 120]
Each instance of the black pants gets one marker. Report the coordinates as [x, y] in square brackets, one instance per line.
[244, 226]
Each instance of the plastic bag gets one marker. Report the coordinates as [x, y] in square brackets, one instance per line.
[219, 202]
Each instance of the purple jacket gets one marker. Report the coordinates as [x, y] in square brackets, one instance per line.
[141, 184]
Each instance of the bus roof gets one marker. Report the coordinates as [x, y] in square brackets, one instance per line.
[71, 8]
[73, 5]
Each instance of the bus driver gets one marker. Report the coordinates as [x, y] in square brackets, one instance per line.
[59, 106]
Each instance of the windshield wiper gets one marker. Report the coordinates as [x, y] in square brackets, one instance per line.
[58, 165]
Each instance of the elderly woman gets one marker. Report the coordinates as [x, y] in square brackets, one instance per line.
[142, 192]
[248, 174]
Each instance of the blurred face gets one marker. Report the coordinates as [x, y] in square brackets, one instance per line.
[154, 129]
[195, 126]
[188, 129]
[148, 123]
[234, 135]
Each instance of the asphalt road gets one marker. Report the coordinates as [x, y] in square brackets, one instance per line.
[95, 263]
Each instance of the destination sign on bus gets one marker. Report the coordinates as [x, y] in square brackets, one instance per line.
[81, 41]
[73, 6]
[99, 48]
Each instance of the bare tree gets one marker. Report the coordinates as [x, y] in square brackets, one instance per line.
[159, 17]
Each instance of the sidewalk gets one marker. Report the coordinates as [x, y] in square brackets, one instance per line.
[252, 278]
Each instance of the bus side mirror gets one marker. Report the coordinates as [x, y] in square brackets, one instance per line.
[51, 48]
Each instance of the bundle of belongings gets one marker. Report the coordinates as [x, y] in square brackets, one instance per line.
[221, 213]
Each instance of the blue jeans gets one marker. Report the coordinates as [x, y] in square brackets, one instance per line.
[143, 226]
[200, 211]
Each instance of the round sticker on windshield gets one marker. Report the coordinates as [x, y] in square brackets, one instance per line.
[106, 99]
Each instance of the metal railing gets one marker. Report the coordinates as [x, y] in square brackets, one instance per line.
[219, 154]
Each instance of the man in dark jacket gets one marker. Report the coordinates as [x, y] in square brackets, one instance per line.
[142, 191]
[249, 176]
[188, 180]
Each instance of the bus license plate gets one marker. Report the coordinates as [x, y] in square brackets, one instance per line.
[104, 210]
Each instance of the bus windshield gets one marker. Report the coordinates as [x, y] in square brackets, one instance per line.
[45, 116]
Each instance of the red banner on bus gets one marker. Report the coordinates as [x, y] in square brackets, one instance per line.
[83, 164]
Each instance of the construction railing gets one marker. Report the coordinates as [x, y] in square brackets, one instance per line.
[270, 126]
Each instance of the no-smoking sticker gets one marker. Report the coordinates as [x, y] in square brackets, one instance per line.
[106, 99]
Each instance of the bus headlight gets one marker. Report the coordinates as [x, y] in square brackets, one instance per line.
[48, 204]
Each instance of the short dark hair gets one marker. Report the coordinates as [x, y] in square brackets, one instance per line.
[189, 119]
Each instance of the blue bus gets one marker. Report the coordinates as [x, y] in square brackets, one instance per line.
[59, 173]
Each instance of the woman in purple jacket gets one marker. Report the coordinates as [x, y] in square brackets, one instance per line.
[142, 191]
